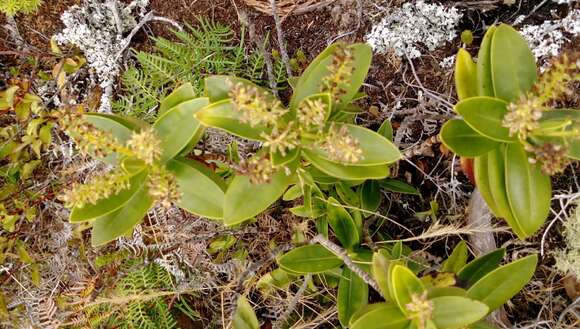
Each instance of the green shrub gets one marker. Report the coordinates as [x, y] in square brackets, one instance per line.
[13, 7]
[509, 129]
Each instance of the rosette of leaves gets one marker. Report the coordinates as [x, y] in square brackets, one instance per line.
[459, 295]
[176, 131]
[490, 91]
[312, 139]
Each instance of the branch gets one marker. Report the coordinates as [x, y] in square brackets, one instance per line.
[281, 39]
[343, 255]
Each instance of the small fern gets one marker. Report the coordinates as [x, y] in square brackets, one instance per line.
[209, 48]
[144, 305]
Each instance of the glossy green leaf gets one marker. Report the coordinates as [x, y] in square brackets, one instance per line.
[457, 259]
[345, 172]
[479, 267]
[293, 193]
[182, 94]
[111, 226]
[381, 316]
[481, 173]
[386, 130]
[465, 75]
[245, 317]
[381, 270]
[110, 204]
[119, 127]
[370, 196]
[177, 127]
[342, 224]
[485, 115]
[376, 149]
[309, 259]
[484, 77]
[244, 200]
[460, 138]
[397, 186]
[435, 292]
[529, 191]
[202, 192]
[311, 80]
[353, 294]
[217, 87]
[405, 284]
[498, 286]
[347, 195]
[454, 312]
[513, 65]
[222, 115]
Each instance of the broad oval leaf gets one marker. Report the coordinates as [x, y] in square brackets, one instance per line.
[481, 173]
[386, 130]
[244, 200]
[513, 65]
[484, 77]
[381, 316]
[111, 226]
[435, 292]
[381, 270]
[457, 259]
[177, 127]
[370, 196]
[217, 87]
[485, 115]
[465, 75]
[345, 172]
[245, 317]
[398, 186]
[342, 224]
[376, 149]
[454, 312]
[353, 294]
[121, 128]
[309, 259]
[529, 191]
[202, 192]
[460, 138]
[182, 94]
[405, 284]
[222, 115]
[498, 286]
[480, 266]
[110, 204]
[311, 80]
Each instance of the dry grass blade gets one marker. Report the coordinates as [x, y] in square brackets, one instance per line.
[288, 7]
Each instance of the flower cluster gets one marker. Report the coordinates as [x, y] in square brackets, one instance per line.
[259, 169]
[414, 23]
[282, 139]
[523, 116]
[145, 146]
[341, 146]
[255, 107]
[420, 308]
[311, 114]
[552, 157]
[340, 71]
[162, 186]
[98, 188]
[88, 139]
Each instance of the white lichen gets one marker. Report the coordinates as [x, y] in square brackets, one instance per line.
[568, 260]
[404, 29]
[448, 62]
[546, 40]
[97, 29]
